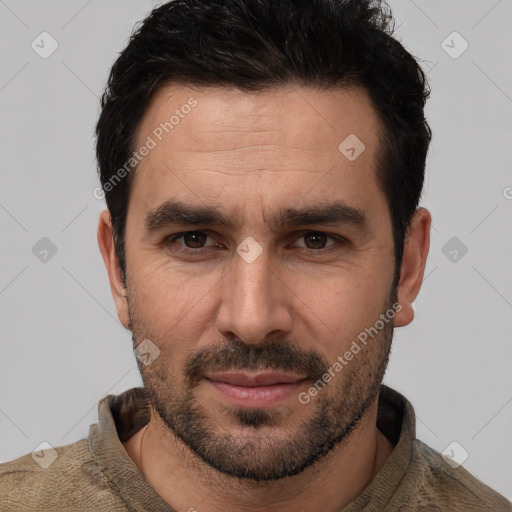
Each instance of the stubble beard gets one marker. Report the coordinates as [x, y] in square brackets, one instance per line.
[263, 448]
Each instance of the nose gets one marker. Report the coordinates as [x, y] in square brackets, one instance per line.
[255, 301]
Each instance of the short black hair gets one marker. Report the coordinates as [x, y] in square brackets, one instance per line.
[255, 45]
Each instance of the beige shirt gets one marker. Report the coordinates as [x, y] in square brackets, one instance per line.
[97, 475]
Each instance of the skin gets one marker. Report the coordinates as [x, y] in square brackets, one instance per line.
[249, 155]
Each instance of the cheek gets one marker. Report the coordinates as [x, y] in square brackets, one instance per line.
[167, 289]
[342, 302]
[174, 306]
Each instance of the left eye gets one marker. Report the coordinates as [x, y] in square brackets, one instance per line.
[315, 240]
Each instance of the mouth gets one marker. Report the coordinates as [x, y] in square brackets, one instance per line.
[255, 390]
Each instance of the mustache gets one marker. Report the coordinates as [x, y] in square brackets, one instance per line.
[237, 355]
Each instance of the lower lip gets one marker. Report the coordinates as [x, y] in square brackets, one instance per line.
[257, 396]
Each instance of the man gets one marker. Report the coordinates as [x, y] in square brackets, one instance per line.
[262, 162]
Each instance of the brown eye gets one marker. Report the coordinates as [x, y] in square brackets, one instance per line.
[318, 243]
[191, 242]
[194, 239]
[315, 240]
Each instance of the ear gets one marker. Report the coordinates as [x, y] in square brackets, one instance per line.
[107, 248]
[414, 259]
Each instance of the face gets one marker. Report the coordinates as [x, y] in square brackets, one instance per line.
[257, 254]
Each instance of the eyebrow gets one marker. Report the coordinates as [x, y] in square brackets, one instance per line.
[174, 212]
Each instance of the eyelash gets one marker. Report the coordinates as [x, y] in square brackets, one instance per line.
[170, 241]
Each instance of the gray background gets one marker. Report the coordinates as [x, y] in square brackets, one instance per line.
[63, 347]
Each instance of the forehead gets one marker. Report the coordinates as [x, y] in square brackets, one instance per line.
[242, 146]
[289, 115]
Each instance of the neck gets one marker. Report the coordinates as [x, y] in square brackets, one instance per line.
[186, 483]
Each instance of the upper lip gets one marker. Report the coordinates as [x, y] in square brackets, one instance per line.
[254, 379]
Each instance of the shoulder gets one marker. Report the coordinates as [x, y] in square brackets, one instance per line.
[61, 478]
[442, 486]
